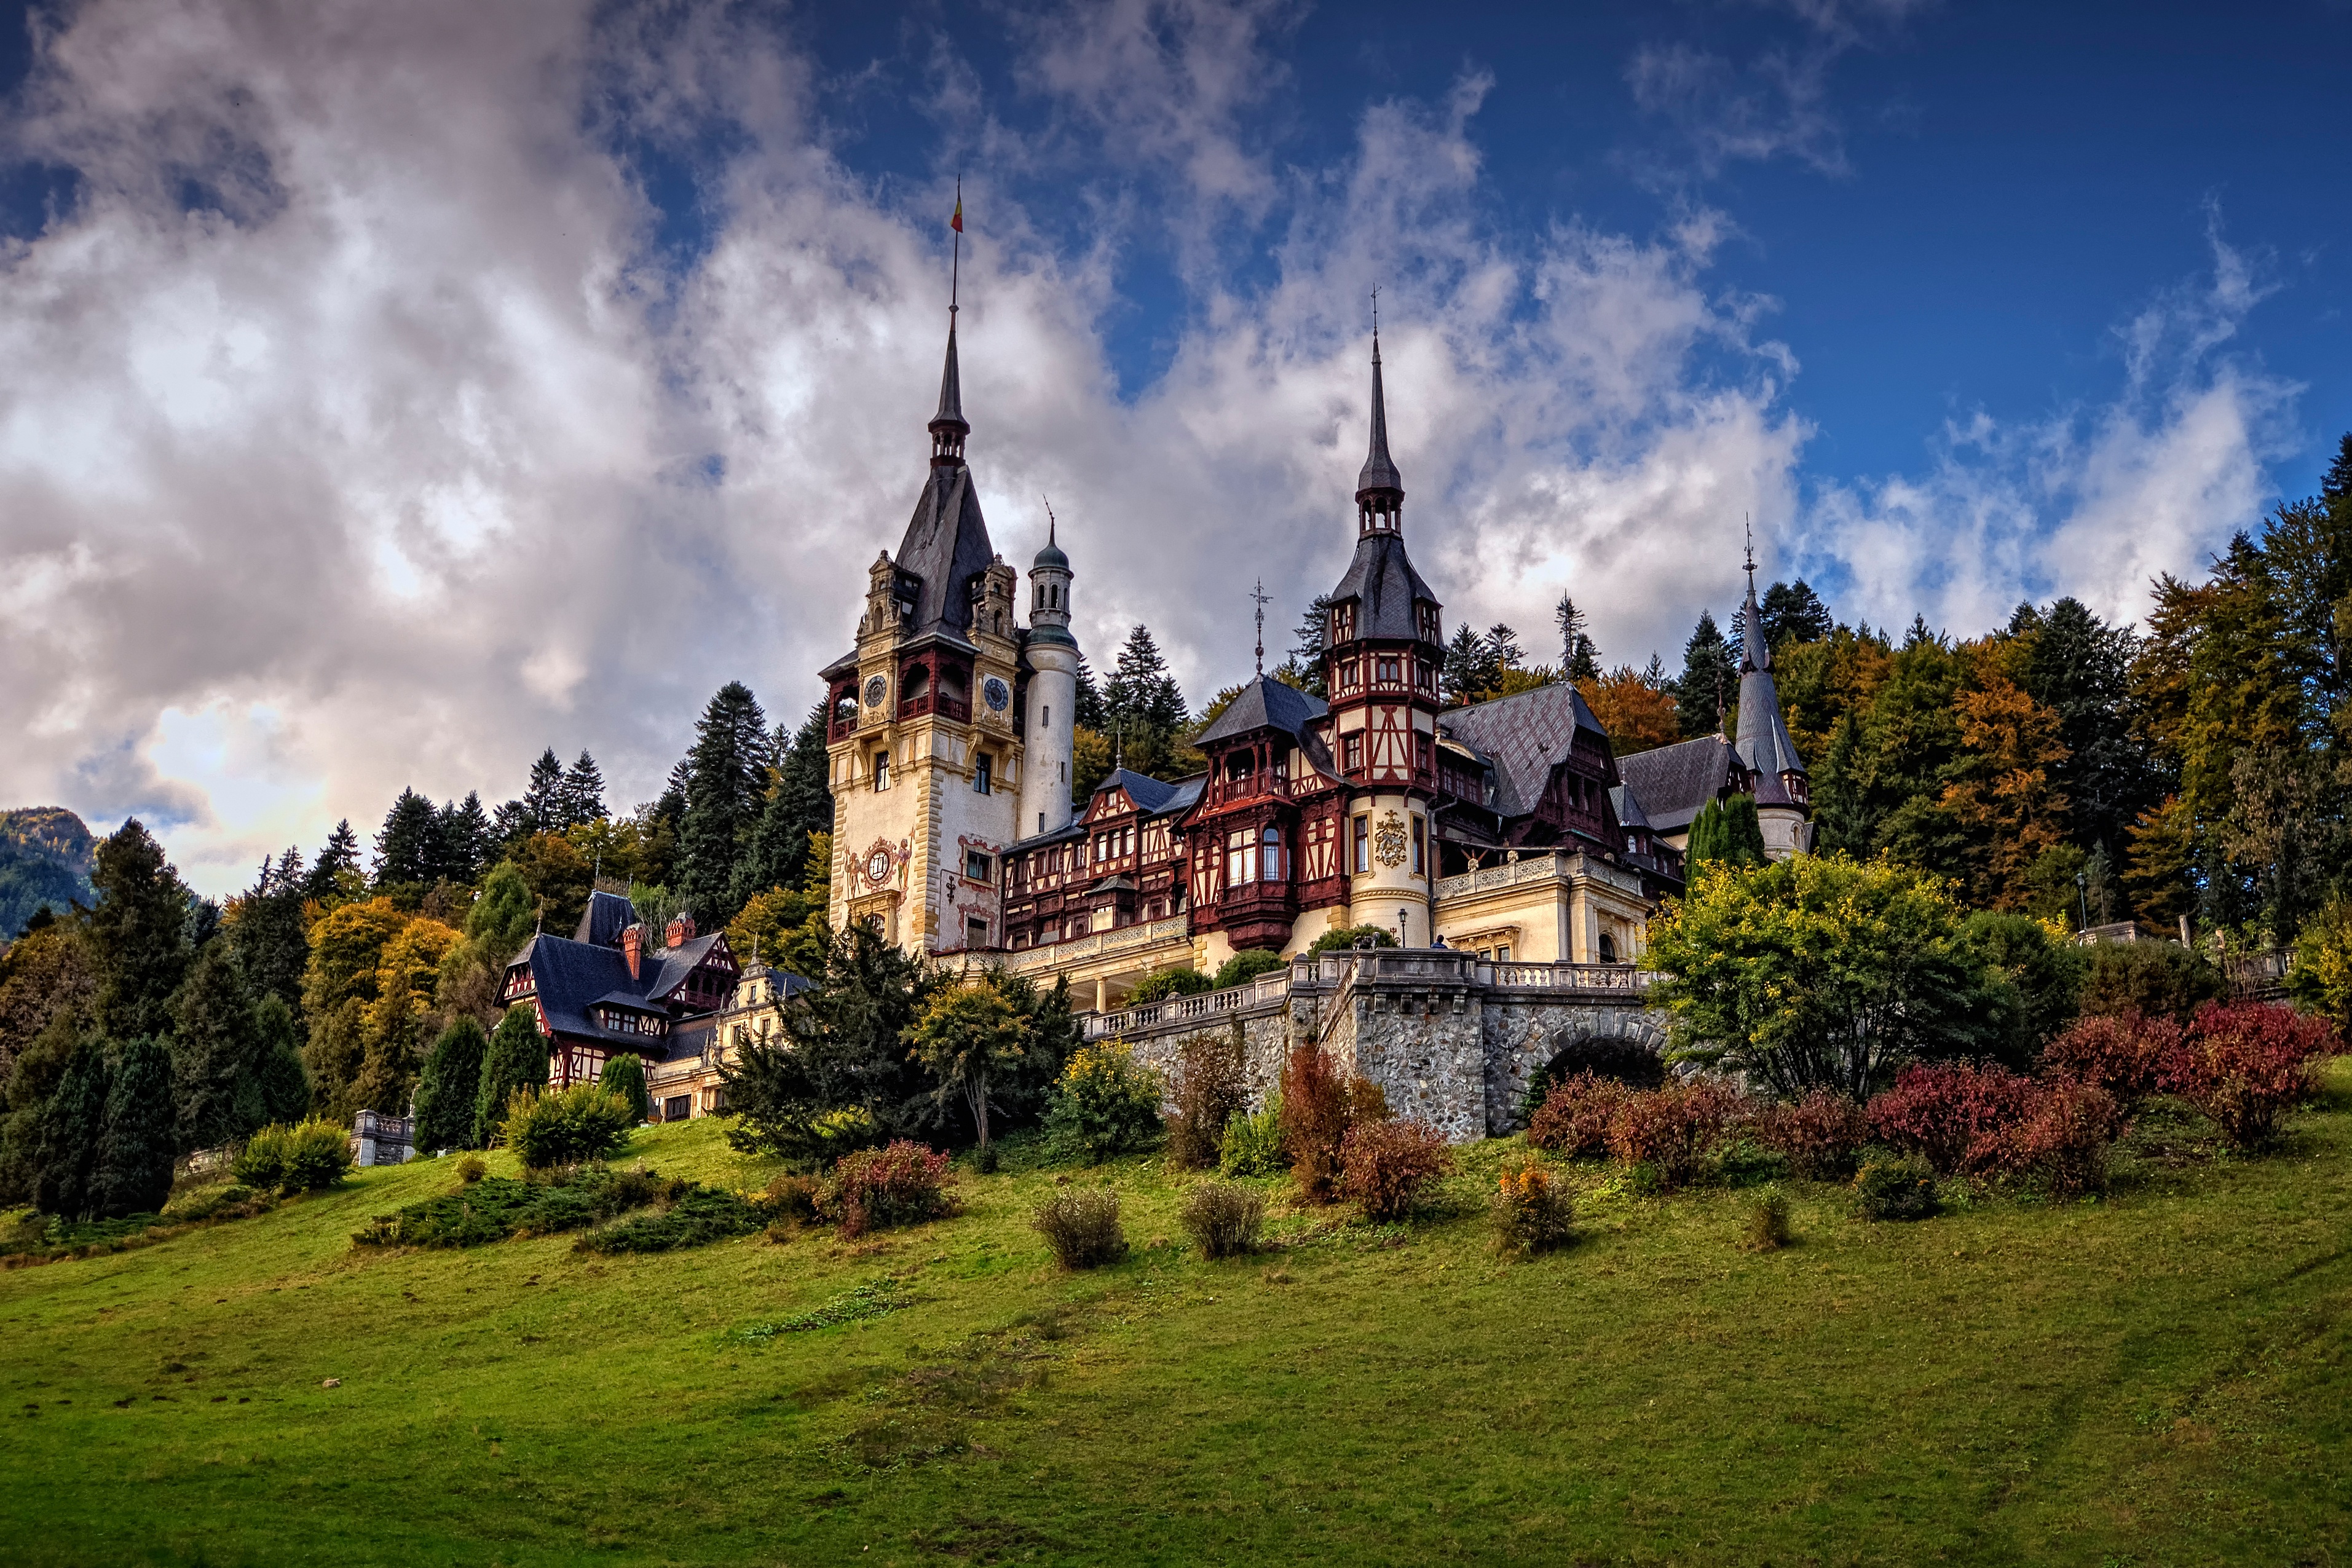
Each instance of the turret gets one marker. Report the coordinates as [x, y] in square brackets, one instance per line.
[1764, 745]
[1053, 705]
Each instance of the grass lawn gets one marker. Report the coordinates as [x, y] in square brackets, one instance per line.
[2159, 1378]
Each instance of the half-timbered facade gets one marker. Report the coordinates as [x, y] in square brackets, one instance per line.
[617, 985]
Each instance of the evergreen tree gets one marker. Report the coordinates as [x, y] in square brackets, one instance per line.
[1708, 689]
[2080, 668]
[268, 936]
[1578, 656]
[1089, 715]
[1793, 614]
[543, 798]
[584, 792]
[2335, 485]
[467, 840]
[516, 1059]
[449, 1091]
[1503, 648]
[216, 1051]
[339, 859]
[725, 778]
[1469, 672]
[1141, 697]
[137, 933]
[799, 803]
[1304, 667]
[285, 1083]
[66, 1133]
[408, 848]
[625, 1074]
[137, 1142]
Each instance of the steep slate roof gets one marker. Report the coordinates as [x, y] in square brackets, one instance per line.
[1523, 737]
[572, 978]
[1382, 580]
[676, 963]
[1265, 704]
[1152, 796]
[1380, 471]
[1673, 783]
[1628, 809]
[1764, 744]
[607, 916]
[946, 547]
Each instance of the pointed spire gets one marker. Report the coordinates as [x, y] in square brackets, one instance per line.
[1380, 488]
[947, 426]
[1755, 651]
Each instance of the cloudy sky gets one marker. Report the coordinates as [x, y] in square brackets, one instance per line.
[388, 392]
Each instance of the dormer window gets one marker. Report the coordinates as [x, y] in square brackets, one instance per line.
[1343, 622]
[1428, 618]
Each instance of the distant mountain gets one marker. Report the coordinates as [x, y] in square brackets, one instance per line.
[46, 853]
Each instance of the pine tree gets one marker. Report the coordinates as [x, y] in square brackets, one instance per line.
[285, 1083]
[340, 857]
[583, 793]
[1089, 715]
[1709, 687]
[2335, 485]
[449, 1090]
[799, 803]
[2080, 668]
[625, 1074]
[1793, 614]
[1304, 667]
[516, 1059]
[1469, 674]
[1577, 655]
[1503, 649]
[137, 933]
[268, 936]
[136, 1143]
[1141, 697]
[66, 1133]
[543, 798]
[216, 1045]
[408, 849]
[725, 780]
[467, 840]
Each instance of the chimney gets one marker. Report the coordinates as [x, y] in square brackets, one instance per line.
[632, 949]
[680, 932]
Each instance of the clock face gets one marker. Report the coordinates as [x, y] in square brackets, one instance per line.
[999, 695]
[878, 866]
[876, 688]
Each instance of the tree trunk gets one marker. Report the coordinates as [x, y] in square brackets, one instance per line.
[975, 1094]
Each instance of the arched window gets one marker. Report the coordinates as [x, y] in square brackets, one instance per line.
[1270, 854]
[1608, 948]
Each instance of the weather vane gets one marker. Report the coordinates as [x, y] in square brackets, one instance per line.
[1259, 594]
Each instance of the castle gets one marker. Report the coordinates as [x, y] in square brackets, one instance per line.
[1509, 829]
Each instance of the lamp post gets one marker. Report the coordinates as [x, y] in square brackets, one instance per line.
[2083, 897]
[1400, 942]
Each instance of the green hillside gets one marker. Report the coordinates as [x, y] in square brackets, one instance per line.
[45, 858]
[2163, 1377]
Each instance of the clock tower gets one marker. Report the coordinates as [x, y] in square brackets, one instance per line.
[925, 726]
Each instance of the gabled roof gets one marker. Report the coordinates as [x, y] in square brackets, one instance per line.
[1628, 809]
[1673, 783]
[607, 916]
[677, 962]
[1152, 796]
[572, 977]
[1381, 581]
[946, 549]
[1265, 704]
[1523, 737]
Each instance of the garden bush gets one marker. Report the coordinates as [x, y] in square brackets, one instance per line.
[1247, 965]
[549, 1129]
[1385, 1166]
[472, 1168]
[694, 1217]
[2245, 1064]
[1739, 1159]
[1821, 1133]
[2125, 1054]
[1530, 1212]
[2064, 1138]
[1894, 1187]
[1768, 1222]
[902, 1183]
[1253, 1145]
[1210, 1092]
[1574, 1117]
[1957, 1117]
[2154, 979]
[1629, 1062]
[793, 1197]
[497, 1208]
[625, 1075]
[1347, 936]
[1081, 1225]
[1319, 1107]
[1671, 1130]
[1170, 983]
[1223, 1218]
[306, 1157]
[1102, 1104]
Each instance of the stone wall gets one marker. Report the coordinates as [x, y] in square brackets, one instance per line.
[1523, 1031]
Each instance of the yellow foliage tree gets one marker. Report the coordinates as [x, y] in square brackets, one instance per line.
[2004, 795]
[1637, 715]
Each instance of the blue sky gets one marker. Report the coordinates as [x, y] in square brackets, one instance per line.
[399, 390]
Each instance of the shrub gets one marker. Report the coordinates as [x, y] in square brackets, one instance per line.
[902, 1183]
[1319, 1107]
[1741, 1160]
[2064, 1138]
[625, 1074]
[1082, 1227]
[2125, 1054]
[1223, 1218]
[2155, 980]
[1348, 935]
[1671, 1129]
[549, 1130]
[1574, 1117]
[472, 1168]
[1386, 1166]
[1956, 1115]
[1531, 1213]
[1209, 1091]
[1247, 965]
[1629, 1062]
[1894, 1187]
[793, 1197]
[1821, 1133]
[1768, 1222]
[2320, 978]
[1170, 983]
[1102, 1104]
[306, 1157]
[1253, 1145]
[692, 1218]
[2245, 1064]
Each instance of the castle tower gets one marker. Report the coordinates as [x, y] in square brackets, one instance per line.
[926, 757]
[1783, 791]
[1052, 706]
[1383, 650]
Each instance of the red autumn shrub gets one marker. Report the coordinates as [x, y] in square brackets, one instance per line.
[1671, 1129]
[1955, 1114]
[1384, 1165]
[2064, 1138]
[1819, 1134]
[1574, 1117]
[2244, 1064]
[902, 1183]
[2123, 1055]
[1319, 1107]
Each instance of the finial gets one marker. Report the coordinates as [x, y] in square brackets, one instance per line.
[1258, 593]
[1749, 529]
[955, 267]
[1376, 320]
[1049, 517]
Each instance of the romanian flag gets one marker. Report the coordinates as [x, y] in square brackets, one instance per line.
[956, 222]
